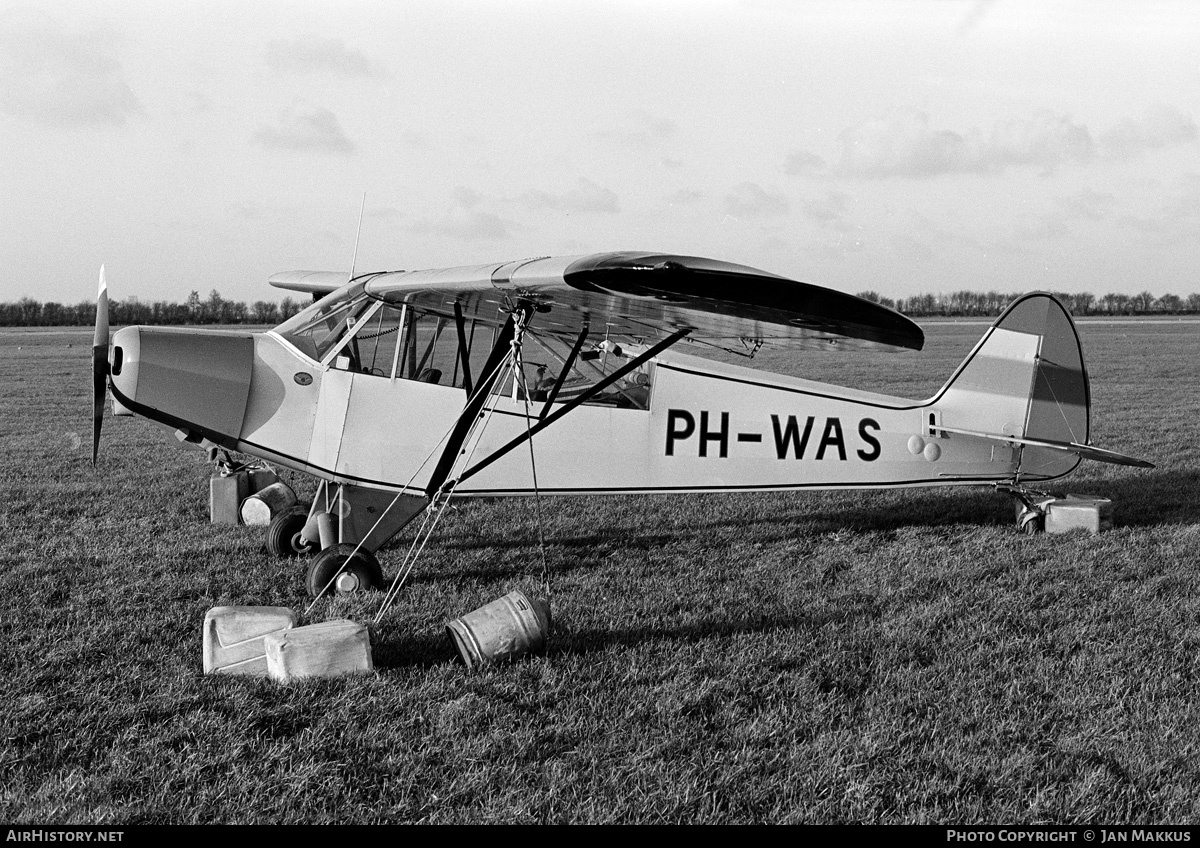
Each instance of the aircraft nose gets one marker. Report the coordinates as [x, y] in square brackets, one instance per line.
[197, 380]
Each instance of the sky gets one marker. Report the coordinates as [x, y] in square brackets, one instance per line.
[897, 147]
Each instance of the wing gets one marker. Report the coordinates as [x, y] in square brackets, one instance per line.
[647, 295]
[312, 282]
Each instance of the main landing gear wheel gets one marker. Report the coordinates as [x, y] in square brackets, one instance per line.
[359, 574]
[283, 534]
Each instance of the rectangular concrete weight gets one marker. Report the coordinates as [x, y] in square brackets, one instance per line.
[328, 649]
[1079, 512]
[233, 637]
[225, 495]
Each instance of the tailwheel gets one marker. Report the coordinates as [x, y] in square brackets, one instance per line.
[1030, 521]
[283, 534]
[350, 575]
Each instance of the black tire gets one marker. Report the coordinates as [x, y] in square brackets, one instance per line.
[360, 574]
[283, 534]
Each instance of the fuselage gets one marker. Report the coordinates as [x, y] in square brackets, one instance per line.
[706, 426]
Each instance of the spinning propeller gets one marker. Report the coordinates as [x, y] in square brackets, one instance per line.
[99, 364]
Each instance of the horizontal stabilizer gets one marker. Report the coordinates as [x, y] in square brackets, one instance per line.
[1085, 451]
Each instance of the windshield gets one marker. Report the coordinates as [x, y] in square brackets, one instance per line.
[316, 329]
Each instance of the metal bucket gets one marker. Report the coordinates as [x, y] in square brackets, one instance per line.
[265, 504]
[507, 628]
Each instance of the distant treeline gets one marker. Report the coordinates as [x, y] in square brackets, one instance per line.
[215, 309]
[966, 303]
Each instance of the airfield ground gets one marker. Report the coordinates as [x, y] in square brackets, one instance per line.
[815, 657]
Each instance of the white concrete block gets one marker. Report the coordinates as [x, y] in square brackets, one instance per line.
[233, 637]
[328, 649]
[1079, 512]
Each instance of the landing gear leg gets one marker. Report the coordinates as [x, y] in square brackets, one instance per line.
[349, 524]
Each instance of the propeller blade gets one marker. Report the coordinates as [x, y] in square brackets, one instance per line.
[99, 364]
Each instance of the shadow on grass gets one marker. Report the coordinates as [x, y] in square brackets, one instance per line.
[400, 650]
[567, 641]
[981, 507]
[1145, 499]
[397, 650]
[1151, 498]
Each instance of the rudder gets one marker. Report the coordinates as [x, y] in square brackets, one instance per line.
[1025, 378]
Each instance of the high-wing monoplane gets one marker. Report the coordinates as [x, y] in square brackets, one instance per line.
[399, 390]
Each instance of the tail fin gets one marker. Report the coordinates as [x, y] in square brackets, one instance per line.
[1026, 381]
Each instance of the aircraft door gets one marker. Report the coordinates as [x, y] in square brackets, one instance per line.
[330, 422]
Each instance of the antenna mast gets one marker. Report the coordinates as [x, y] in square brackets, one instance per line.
[354, 258]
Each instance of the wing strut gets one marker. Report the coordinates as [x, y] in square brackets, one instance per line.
[566, 370]
[462, 428]
[463, 354]
[543, 423]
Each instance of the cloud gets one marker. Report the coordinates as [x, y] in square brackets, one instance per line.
[973, 16]
[1047, 228]
[59, 77]
[199, 101]
[246, 211]
[466, 226]
[315, 130]
[1175, 219]
[685, 197]
[1046, 141]
[1087, 204]
[829, 210]
[803, 162]
[1162, 126]
[466, 197]
[643, 130]
[385, 213]
[586, 197]
[750, 200]
[1186, 205]
[311, 54]
[905, 144]
[910, 249]
[901, 145]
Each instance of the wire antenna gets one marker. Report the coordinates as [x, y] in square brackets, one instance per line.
[357, 234]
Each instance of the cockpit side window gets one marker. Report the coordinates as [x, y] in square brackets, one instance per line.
[395, 341]
[373, 338]
[386, 340]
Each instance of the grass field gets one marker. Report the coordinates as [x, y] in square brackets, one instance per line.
[810, 657]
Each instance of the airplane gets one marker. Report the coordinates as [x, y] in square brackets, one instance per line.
[398, 390]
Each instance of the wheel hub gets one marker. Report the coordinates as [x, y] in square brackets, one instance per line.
[347, 582]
